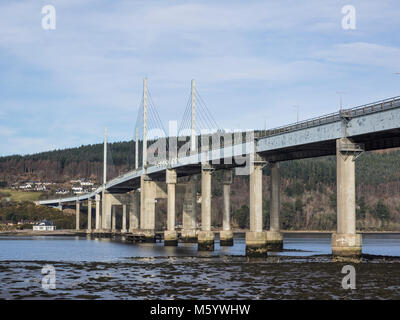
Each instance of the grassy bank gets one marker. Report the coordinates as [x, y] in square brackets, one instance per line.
[19, 196]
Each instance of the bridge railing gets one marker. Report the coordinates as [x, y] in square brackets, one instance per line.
[336, 116]
[372, 107]
[313, 122]
[328, 118]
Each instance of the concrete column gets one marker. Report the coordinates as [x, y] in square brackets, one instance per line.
[256, 224]
[226, 235]
[89, 220]
[123, 218]
[206, 198]
[134, 211]
[226, 223]
[77, 212]
[147, 208]
[346, 242]
[103, 210]
[274, 235]
[206, 236]
[106, 212]
[256, 239]
[113, 218]
[98, 222]
[142, 204]
[171, 207]
[171, 236]
[189, 214]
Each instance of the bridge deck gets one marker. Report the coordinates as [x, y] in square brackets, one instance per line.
[376, 126]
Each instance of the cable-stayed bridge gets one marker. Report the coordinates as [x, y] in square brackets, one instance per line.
[198, 147]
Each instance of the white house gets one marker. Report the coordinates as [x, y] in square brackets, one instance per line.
[86, 183]
[61, 191]
[44, 225]
[77, 190]
[26, 186]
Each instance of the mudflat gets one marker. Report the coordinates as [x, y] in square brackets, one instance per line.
[220, 277]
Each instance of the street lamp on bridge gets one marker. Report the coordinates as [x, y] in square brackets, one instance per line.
[340, 93]
[297, 106]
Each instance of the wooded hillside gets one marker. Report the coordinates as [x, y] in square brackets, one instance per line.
[308, 187]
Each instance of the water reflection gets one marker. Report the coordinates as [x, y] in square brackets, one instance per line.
[86, 249]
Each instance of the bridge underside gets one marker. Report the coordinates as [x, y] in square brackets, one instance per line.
[379, 140]
[372, 141]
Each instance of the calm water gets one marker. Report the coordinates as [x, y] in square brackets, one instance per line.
[108, 269]
[83, 249]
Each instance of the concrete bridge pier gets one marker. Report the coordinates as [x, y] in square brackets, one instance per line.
[106, 211]
[226, 235]
[206, 236]
[103, 211]
[134, 211]
[123, 218]
[256, 239]
[98, 217]
[170, 235]
[89, 219]
[113, 218]
[189, 214]
[274, 236]
[346, 242]
[147, 208]
[77, 212]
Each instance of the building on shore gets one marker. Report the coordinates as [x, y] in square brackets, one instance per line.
[44, 225]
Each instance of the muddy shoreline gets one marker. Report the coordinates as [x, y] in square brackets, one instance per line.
[219, 277]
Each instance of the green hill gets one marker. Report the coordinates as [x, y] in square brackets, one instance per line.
[308, 194]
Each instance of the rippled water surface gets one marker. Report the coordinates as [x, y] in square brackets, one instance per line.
[109, 269]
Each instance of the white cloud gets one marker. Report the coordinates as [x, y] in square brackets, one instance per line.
[6, 132]
[363, 53]
[25, 145]
[88, 73]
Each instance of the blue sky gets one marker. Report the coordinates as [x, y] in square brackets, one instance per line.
[253, 61]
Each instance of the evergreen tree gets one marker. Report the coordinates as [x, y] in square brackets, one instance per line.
[242, 216]
[362, 209]
[381, 211]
